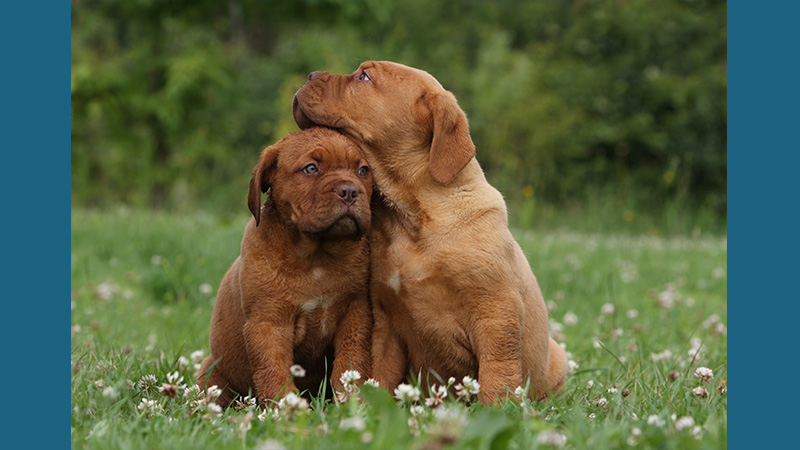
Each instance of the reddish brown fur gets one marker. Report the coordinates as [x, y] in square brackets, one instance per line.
[297, 294]
[452, 291]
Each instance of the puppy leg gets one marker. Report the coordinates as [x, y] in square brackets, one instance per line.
[497, 342]
[352, 342]
[269, 347]
[208, 376]
[389, 355]
[557, 372]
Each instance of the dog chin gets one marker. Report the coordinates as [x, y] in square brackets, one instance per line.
[343, 228]
[300, 117]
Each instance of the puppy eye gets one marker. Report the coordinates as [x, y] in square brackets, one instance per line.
[363, 171]
[364, 77]
[310, 169]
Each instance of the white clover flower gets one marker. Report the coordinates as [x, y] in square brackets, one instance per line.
[450, 381]
[696, 432]
[710, 321]
[704, 374]
[417, 410]
[521, 392]
[148, 381]
[215, 409]
[245, 403]
[570, 319]
[616, 333]
[292, 404]
[591, 416]
[437, 396]
[656, 421]
[173, 386]
[262, 416]
[612, 390]
[99, 384]
[589, 384]
[205, 289]
[407, 393]
[573, 366]
[597, 344]
[551, 438]
[192, 394]
[183, 362]
[668, 297]
[468, 387]
[105, 290]
[110, 392]
[175, 378]
[451, 417]
[349, 377]
[197, 356]
[700, 391]
[353, 423]
[684, 423]
[656, 357]
[632, 314]
[607, 309]
[169, 390]
[372, 382]
[150, 407]
[297, 371]
[213, 392]
[600, 402]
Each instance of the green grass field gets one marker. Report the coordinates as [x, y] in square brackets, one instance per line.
[638, 315]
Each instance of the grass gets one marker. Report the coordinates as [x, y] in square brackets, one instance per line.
[143, 288]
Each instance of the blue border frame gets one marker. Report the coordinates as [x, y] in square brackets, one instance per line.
[763, 149]
[36, 205]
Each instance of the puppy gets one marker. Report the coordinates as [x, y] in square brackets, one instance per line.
[452, 291]
[297, 294]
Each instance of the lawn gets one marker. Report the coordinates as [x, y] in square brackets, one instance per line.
[640, 316]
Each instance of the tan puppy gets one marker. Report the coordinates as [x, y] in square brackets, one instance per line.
[452, 291]
[297, 294]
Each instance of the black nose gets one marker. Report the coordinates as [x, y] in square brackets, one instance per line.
[314, 75]
[348, 193]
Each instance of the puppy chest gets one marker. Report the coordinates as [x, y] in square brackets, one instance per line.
[316, 319]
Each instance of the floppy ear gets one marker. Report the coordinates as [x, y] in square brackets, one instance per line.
[452, 147]
[260, 181]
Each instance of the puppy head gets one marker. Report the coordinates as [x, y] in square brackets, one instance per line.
[390, 107]
[317, 180]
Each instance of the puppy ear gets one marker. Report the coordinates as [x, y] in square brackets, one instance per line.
[260, 181]
[452, 147]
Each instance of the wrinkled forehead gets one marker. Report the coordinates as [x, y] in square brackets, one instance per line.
[325, 146]
[404, 72]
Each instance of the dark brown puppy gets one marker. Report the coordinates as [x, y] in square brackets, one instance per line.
[297, 294]
[452, 291]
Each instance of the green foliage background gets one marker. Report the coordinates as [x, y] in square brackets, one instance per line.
[612, 112]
